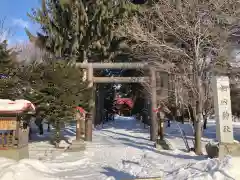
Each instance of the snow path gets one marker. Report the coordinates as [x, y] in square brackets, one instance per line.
[120, 150]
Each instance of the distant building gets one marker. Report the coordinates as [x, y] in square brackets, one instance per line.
[123, 106]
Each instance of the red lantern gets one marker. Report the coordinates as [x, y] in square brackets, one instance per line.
[156, 110]
[80, 109]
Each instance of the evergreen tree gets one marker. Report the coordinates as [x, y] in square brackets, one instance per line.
[78, 28]
[9, 82]
[56, 89]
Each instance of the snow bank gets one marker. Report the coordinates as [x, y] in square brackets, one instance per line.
[29, 169]
[211, 169]
[120, 150]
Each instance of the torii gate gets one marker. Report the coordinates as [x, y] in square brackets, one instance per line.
[151, 80]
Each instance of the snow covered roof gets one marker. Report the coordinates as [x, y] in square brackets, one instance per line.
[8, 106]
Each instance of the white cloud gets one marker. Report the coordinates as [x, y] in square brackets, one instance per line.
[19, 40]
[21, 23]
[15, 41]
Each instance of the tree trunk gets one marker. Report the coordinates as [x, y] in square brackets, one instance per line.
[30, 133]
[204, 122]
[41, 129]
[154, 124]
[168, 123]
[160, 129]
[48, 128]
[57, 133]
[199, 117]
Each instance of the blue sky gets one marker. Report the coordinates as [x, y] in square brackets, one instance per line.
[15, 14]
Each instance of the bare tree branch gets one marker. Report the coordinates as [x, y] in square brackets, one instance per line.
[4, 31]
[194, 38]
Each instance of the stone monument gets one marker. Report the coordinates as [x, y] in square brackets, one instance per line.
[223, 116]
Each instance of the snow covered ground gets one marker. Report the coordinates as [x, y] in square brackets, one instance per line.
[121, 150]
